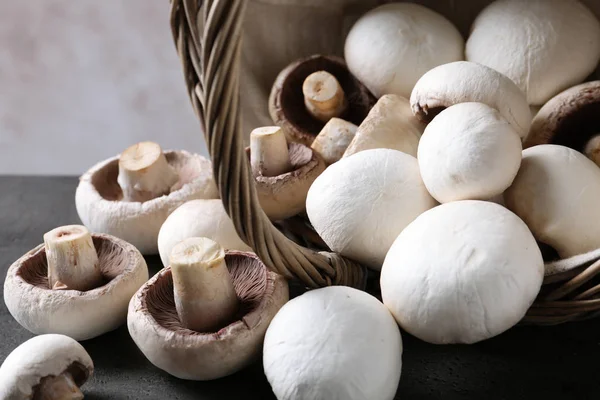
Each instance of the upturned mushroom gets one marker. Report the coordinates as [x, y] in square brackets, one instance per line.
[75, 284]
[462, 272]
[570, 119]
[360, 204]
[283, 172]
[544, 46]
[322, 343]
[46, 367]
[556, 193]
[389, 125]
[333, 140]
[468, 152]
[205, 316]
[462, 82]
[310, 91]
[130, 196]
[391, 46]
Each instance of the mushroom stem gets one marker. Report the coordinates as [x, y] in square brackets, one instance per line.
[269, 154]
[592, 149]
[205, 298]
[333, 140]
[323, 96]
[61, 387]
[72, 259]
[144, 172]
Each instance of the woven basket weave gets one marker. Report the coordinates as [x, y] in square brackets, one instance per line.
[208, 39]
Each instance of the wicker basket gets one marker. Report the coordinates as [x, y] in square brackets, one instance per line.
[208, 40]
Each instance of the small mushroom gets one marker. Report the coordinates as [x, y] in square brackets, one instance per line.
[544, 46]
[333, 140]
[556, 193]
[570, 119]
[312, 90]
[462, 272]
[468, 152]
[283, 172]
[188, 322]
[389, 125]
[391, 46]
[46, 367]
[198, 218]
[462, 82]
[131, 195]
[333, 343]
[360, 204]
[75, 284]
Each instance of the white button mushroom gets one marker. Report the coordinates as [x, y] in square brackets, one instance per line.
[468, 152]
[360, 204]
[333, 140]
[46, 367]
[556, 193]
[462, 272]
[187, 321]
[391, 46]
[544, 46]
[198, 218]
[131, 195]
[333, 343]
[75, 284]
[462, 82]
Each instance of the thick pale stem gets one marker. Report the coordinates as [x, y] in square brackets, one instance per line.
[269, 154]
[72, 259]
[592, 149]
[205, 298]
[323, 96]
[333, 140]
[144, 173]
[61, 387]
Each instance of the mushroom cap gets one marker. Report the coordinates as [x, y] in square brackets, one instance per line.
[570, 118]
[39, 357]
[391, 46]
[544, 46]
[462, 272]
[360, 204]
[286, 101]
[468, 152]
[99, 205]
[80, 315]
[556, 193]
[463, 81]
[198, 218]
[155, 327]
[333, 343]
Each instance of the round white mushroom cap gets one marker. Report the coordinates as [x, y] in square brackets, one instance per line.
[544, 46]
[468, 152]
[556, 193]
[462, 82]
[391, 46]
[198, 218]
[462, 272]
[333, 343]
[360, 204]
[98, 199]
[40, 357]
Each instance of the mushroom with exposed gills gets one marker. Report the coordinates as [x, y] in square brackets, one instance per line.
[323, 96]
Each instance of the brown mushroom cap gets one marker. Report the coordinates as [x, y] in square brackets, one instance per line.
[156, 329]
[80, 315]
[286, 102]
[571, 118]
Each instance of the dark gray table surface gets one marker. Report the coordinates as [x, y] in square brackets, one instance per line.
[560, 362]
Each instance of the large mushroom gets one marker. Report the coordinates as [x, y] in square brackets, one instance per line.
[205, 316]
[75, 284]
[46, 367]
[130, 196]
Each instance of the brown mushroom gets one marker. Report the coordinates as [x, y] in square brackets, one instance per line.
[572, 119]
[310, 91]
[226, 338]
